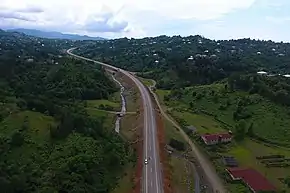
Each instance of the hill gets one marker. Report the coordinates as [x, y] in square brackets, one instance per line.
[193, 60]
[48, 141]
[54, 35]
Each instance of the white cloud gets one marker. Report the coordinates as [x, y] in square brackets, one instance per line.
[119, 17]
[278, 20]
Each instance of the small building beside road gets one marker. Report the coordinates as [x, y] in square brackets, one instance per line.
[262, 73]
[191, 129]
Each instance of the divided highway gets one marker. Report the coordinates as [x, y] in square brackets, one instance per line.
[151, 175]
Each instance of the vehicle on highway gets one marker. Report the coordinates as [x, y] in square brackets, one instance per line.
[146, 161]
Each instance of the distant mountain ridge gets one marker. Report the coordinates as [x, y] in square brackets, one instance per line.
[54, 35]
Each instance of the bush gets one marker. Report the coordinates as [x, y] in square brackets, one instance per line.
[17, 139]
[178, 145]
[270, 156]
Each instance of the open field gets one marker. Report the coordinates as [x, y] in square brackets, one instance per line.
[147, 82]
[37, 123]
[182, 175]
[161, 94]
[35, 130]
[171, 132]
[97, 103]
[129, 126]
[204, 124]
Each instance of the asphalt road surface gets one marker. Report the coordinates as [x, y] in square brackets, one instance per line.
[151, 175]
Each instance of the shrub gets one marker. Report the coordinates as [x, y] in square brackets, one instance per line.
[178, 145]
[17, 139]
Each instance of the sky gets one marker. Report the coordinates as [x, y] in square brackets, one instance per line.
[215, 19]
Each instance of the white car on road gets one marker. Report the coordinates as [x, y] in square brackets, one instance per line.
[146, 161]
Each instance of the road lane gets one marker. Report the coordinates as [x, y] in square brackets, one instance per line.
[152, 171]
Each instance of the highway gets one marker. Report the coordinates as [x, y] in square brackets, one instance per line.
[151, 174]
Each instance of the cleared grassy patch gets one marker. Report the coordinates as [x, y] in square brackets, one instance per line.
[182, 175]
[34, 127]
[116, 98]
[238, 188]
[97, 103]
[36, 123]
[203, 123]
[161, 94]
[145, 81]
[129, 126]
[172, 132]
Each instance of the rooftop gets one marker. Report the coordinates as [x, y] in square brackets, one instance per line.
[213, 137]
[255, 180]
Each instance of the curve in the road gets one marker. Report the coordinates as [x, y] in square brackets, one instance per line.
[151, 177]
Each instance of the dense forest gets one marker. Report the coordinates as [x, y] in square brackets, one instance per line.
[48, 142]
[193, 60]
[275, 88]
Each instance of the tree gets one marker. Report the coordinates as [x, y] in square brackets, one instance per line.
[177, 144]
[17, 139]
[240, 130]
[250, 131]
[287, 181]
[191, 104]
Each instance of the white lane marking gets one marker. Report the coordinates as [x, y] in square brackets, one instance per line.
[151, 184]
[151, 171]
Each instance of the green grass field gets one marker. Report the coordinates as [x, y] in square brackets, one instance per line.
[172, 132]
[203, 123]
[161, 94]
[270, 121]
[182, 175]
[35, 135]
[97, 103]
[36, 122]
[145, 81]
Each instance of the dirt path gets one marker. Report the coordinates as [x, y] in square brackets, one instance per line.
[203, 162]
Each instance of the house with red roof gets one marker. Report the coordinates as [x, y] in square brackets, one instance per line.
[212, 139]
[252, 178]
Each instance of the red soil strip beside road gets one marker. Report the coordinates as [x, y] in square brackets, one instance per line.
[166, 170]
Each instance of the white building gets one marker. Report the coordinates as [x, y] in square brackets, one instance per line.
[262, 73]
[190, 58]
